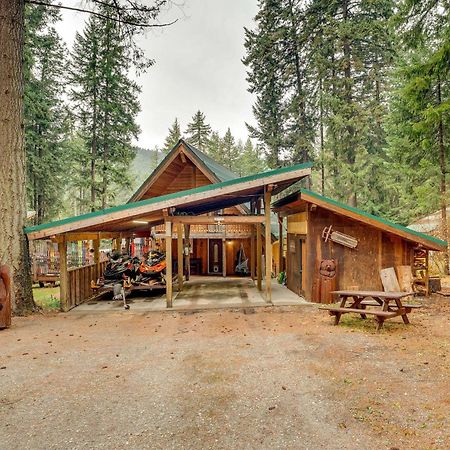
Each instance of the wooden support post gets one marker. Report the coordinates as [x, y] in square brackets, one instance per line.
[180, 255]
[63, 275]
[252, 254]
[96, 247]
[281, 246]
[224, 257]
[268, 245]
[258, 247]
[187, 245]
[169, 288]
[258, 257]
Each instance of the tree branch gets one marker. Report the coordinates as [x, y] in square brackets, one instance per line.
[102, 16]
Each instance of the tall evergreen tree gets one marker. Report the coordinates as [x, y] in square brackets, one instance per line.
[214, 146]
[264, 75]
[419, 122]
[318, 69]
[106, 104]
[45, 113]
[230, 152]
[250, 160]
[173, 137]
[198, 131]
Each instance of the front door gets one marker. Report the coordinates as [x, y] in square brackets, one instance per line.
[215, 256]
[295, 263]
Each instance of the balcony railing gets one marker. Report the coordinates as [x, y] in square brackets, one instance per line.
[212, 230]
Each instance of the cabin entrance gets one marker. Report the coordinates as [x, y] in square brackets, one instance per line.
[295, 262]
[215, 256]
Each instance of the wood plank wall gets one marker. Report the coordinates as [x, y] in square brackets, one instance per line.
[356, 268]
[79, 283]
[177, 177]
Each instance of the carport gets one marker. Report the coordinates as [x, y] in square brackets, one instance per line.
[177, 211]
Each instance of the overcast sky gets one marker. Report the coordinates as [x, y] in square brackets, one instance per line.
[198, 66]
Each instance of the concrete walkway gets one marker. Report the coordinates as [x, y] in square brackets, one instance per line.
[201, 293]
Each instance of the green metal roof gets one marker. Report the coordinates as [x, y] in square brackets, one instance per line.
[369, 216]
[162, 198]
[221, 172]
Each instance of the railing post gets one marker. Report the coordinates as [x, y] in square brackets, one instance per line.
[180, 255]
[169, 291]
[268, 245]
[96, 247]
[187, 245]
[63, 274]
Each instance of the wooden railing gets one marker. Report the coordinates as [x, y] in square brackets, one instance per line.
[79, 284]
[232, 229]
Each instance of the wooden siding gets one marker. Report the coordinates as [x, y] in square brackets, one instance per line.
[297, 223]
[79, 284]
[178, 176]
[357, 268]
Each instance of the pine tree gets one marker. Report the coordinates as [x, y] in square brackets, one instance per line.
[173, 137]
[419, 122]
[214, 146]
[250, 160]
[106, 104]
[230, 152]
[45, 113]
[354, 46]
[264, 75]
[198, 131]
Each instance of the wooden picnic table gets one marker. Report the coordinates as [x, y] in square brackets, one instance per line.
[387, 305]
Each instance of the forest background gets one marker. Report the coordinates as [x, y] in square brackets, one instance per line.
[359, 87]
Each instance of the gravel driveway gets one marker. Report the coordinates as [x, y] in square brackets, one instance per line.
[253, 379]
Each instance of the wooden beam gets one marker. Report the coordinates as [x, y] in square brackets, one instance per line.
[180, 255]
[169, 288]
[183, 157]
[208, 220]
[281, 246]
[268, 246]
[85, 236]
[224, 257]
[258, 257]
[252, 254]
[96, 247]
[63, 276]
[187, 245]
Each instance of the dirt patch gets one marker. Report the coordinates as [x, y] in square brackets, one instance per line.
[226, 379]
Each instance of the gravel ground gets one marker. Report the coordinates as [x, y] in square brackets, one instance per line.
[262, 378]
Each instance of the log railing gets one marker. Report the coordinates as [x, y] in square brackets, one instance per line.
[79, 284]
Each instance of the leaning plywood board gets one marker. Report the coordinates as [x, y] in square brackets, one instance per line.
[405, 278]
[389, 280]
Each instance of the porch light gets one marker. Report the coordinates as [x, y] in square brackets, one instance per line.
[140, 221]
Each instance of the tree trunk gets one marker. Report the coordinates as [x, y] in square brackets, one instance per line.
[13, 242]
[443, 168]
[322, 146]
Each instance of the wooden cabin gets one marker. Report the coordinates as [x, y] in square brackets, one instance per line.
[200, 213]
[333, 246]
[214, 248]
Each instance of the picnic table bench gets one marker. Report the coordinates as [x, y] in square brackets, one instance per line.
[387, 305]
